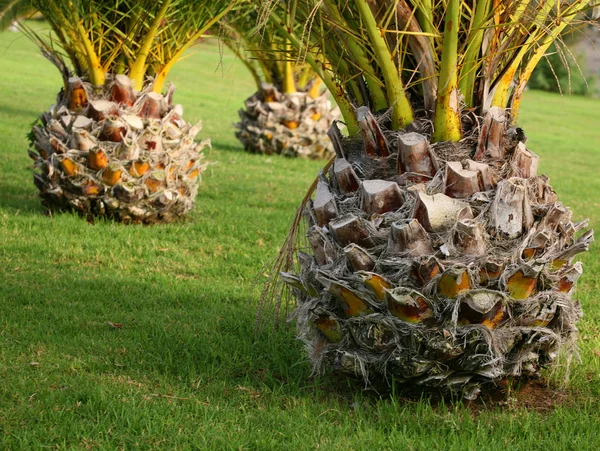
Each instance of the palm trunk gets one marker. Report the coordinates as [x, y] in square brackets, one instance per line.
[292, 124]
[405, 284]
[116, 153]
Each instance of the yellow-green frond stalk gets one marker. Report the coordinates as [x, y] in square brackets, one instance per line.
[435, 255]
[470, 65]
[288, 84]
[446, 121]
[541, 47]
[137, 71]
[402, 114]
[315, 89]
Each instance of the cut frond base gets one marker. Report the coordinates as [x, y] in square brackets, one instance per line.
[447, 265]
[294, 125]
[117, 153]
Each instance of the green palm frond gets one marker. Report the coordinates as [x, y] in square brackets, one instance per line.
[265, 51]
[428, 58]
[137, 37]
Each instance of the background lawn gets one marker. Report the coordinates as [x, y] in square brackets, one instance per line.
[187, 369]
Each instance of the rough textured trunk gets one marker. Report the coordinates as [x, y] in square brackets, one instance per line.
[445, 265]
[293, 124]
[118, 153]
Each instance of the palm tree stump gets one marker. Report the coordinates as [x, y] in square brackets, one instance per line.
[118, 153]
[294, 124]
[446, 265]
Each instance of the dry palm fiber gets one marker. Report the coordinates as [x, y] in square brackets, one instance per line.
[401, 280]
[434, 254]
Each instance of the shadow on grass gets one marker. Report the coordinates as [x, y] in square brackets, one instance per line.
[19, 199]
[192, 330]
[222, 342]
[30, 116]
[180, 330]
[228, 147]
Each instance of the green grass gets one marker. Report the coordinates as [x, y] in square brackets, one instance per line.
[184, 296]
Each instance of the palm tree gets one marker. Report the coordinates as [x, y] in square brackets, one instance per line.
[434, 253]
[288, 114]
[114, 144]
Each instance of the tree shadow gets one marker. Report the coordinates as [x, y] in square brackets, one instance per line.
[28, 114]
[19, 198]
[192, 330]
[228, 147]
[176, 333]
[229, 347]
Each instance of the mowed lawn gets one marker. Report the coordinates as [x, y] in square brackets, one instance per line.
[187, 370]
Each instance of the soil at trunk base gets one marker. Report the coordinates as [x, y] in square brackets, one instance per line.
[530, 394]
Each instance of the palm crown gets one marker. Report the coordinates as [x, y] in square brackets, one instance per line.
[136, 38]
[266, 52]
[425, 57]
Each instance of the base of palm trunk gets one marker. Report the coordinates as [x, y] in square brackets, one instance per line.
[427, 267]
[294, 125]
[117, 153]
